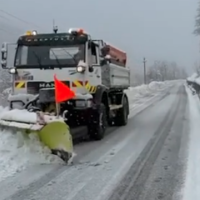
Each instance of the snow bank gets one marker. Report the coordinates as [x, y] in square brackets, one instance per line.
[157, 85]
[18, 151]
[195, 78]
[145, 90]
[192, 77]
[191, 189]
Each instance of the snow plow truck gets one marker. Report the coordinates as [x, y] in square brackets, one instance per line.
[95, 70]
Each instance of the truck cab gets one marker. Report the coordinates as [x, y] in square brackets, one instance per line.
[95, 70]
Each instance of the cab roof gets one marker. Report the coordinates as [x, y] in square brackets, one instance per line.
[51, 38]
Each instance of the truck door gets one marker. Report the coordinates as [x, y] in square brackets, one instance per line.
[93, 60]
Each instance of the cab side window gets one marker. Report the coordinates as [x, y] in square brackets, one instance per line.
[92, 54]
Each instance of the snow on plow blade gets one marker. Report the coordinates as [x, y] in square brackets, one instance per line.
[52, 131]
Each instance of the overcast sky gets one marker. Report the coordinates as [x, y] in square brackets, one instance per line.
[156, 29]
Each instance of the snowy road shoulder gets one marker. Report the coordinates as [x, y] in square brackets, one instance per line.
[191, 189]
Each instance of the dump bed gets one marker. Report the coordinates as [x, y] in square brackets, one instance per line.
[116, 74]
[117, 54]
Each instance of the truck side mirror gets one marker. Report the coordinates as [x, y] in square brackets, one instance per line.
[4, 51]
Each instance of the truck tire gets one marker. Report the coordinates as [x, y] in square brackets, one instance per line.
[121, 118]
[97, 127]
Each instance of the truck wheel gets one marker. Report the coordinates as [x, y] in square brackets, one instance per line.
[97, 127]
[121, 118]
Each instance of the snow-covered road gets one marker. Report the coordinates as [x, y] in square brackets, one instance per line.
[17, 152]
[99, 166]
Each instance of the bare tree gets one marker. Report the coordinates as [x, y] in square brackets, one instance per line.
[163, 70]
[197, 21]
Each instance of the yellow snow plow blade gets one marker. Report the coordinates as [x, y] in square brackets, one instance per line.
[56, 135]
[52, 131]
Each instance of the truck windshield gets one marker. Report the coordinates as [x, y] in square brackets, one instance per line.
[37, 56]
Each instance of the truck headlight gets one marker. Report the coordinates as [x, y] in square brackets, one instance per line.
[80, 69]
[34, 32]
[12, 71]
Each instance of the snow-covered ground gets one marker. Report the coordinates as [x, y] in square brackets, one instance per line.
[17, 151]
[191, 188]
[143, 91]
[193, 77]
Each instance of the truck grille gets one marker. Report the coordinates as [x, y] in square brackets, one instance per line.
[33, 87]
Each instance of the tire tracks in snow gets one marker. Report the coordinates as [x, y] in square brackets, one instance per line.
[134, 185]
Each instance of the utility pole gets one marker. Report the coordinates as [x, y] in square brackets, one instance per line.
[165, 72]
[144, 61]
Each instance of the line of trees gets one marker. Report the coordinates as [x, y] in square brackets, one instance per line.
[197, 33]
[163, 70]
[159, 71]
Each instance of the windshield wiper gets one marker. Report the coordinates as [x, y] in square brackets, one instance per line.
[38, 60]
[57, 60]
[75, 61]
